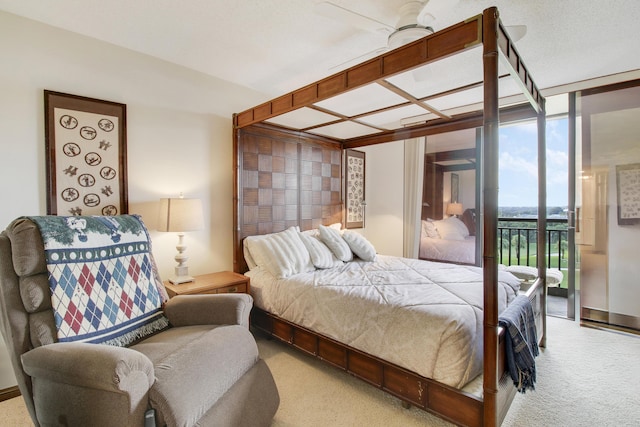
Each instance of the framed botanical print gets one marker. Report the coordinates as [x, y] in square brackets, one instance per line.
[354, 184]
[455, 180]
[86, 155]
[628, 189]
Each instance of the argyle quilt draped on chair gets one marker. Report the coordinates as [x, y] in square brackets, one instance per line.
[103, 281]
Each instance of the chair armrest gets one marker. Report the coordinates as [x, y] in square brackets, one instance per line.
[89, 384]
[95, 366]
[227, 309]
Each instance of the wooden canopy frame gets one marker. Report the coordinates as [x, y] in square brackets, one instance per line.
[299, 159]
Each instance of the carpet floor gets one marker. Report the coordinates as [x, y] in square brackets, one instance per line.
[586, 377]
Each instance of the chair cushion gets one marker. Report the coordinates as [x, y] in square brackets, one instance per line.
[523, 272]
[179, 395]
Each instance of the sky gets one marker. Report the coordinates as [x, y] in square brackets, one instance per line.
[518, 167]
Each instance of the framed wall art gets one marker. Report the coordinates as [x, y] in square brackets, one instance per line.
[455, 186]
[628, 189]
[354, 183]
[86, 155]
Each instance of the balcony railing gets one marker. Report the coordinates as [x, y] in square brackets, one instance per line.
[518, 241]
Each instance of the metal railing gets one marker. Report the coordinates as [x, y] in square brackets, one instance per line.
[518, 241]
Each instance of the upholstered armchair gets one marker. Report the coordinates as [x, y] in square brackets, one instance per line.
[84, 353]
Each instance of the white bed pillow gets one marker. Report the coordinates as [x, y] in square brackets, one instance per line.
[448, 230]
[247, 254]
[359, 245]
[332, 238]
[313, 233]
[282, 254]
[246, 244]
[321, 255]
[457, 222]
[429, 229]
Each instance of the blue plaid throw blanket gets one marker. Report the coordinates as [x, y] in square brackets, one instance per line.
[521, 342]
[103, 281]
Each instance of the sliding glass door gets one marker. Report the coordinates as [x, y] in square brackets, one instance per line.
[607, 221]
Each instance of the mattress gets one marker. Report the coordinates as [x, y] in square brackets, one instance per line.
[421, 315]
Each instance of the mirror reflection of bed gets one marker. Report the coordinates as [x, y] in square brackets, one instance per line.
[450, 239]
[450, 196]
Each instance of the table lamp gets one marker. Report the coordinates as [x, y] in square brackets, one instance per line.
[454, 209]
[180, 215]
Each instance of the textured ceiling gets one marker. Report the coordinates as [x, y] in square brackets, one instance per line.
[276, 46]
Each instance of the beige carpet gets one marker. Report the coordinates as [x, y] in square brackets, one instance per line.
[586, 377]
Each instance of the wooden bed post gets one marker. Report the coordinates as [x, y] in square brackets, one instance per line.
[235, 167]
[490, 214]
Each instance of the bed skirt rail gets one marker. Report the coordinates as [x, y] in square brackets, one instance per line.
[454, 405]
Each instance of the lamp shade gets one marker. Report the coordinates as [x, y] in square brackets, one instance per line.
[180, 215]
[454, 209]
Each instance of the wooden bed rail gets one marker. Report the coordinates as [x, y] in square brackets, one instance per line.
[447, 402]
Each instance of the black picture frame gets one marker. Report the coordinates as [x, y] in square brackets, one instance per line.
[86, 155]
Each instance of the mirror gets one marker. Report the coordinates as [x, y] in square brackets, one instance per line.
[450, 198]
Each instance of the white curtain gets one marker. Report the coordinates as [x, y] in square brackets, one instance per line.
[414, 150]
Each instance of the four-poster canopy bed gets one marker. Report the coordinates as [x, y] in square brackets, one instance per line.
[288, 172]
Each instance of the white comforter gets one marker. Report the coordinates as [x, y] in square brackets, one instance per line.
[462, 251]
[424, 316]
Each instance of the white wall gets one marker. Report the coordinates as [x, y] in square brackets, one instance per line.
[179, 134]
[384, 193]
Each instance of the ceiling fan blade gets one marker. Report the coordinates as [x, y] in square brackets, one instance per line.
[516, 32]
[355, 19]
[432, 9]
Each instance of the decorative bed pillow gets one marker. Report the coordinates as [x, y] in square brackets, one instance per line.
[247, 254]
[449, 230]
[312, 233]
[429, 229]
[359, 245]
[282, 254]
[464, 231]
[321, 255]
[332, 238]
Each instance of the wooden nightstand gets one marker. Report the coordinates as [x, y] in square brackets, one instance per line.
[222, 282]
